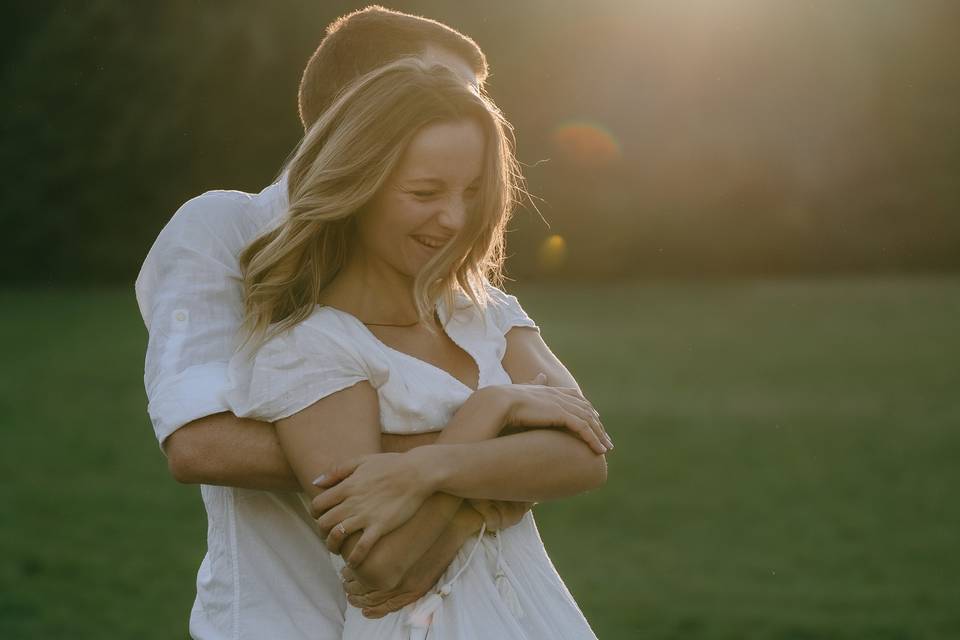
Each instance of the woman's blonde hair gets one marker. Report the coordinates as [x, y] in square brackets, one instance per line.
[342, 162]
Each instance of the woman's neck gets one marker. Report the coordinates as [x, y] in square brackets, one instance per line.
[373, 292]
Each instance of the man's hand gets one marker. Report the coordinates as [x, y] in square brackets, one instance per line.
[500, 514]
[421, 577]
[415, 584]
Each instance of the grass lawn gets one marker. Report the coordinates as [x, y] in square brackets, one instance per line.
[787, 458]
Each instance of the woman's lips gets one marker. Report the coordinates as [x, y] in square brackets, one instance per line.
[431, 242]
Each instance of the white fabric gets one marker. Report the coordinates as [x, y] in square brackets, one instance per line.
[190, 296]
[332, 350]
[189, 293]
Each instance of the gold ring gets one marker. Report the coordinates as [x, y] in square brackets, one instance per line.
[343, 529]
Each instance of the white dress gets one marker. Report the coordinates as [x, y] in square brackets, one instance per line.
[500, 585]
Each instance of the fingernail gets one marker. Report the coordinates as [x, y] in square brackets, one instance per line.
[319, 479]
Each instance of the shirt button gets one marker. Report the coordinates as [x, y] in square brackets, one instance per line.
[180, 316]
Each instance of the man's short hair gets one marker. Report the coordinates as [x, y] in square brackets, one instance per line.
[359, 42]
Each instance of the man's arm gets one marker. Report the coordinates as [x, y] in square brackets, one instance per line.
[424, 573]
[225, 450]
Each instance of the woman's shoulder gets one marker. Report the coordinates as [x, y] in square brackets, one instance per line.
[504, 310]
[295, 367]
[327, 332]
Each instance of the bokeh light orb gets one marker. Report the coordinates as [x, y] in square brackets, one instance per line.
[586, 144]
[552, 253]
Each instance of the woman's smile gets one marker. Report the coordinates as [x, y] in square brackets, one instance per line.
[431, 242]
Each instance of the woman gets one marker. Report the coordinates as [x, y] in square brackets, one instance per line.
[369, 309]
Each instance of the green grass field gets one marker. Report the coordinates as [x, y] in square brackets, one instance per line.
[787, 458]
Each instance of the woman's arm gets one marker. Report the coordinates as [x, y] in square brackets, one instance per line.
[346, 424]
[532, 466]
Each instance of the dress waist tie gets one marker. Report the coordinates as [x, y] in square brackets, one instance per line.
[422, 616]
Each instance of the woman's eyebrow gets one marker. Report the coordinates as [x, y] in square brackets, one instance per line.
[430, 180]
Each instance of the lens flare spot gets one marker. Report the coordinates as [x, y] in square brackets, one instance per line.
[552, 253]
[586, 144]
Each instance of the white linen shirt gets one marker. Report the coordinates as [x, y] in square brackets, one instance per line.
[266, 573]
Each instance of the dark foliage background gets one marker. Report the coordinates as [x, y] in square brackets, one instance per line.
[708, 137]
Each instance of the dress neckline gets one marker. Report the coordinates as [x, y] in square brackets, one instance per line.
[443, 327]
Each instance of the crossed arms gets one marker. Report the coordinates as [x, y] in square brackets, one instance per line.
[406, 560]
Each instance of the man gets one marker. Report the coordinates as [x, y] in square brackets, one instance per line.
[189, 293]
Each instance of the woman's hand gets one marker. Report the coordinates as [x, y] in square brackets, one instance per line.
[376, 493]
[534, 405]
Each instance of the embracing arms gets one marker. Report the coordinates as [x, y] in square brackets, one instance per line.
[545, 463]
[225, 450]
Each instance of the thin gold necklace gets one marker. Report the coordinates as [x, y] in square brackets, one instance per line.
[385, 324]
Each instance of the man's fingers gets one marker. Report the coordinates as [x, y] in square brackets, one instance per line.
[490, 512]
[363, 546]
[356, 588]
[338, 473]
[393, 604]
[372, 599]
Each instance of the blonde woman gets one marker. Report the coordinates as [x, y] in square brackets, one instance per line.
[370, 309]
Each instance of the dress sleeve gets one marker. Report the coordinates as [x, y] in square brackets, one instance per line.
[506, 312]
[294, 369]
[189, 294]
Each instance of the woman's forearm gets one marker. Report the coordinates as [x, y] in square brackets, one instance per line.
[541, 464]
[395, 553]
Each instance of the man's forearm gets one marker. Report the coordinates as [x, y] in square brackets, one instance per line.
[235, 452]
[225, 450]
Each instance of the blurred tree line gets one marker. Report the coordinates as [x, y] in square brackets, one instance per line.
[708, 137]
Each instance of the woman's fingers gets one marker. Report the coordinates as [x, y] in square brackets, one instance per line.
[582, 428]
[326, 500]
[369, 538]
[340, 533]
[332, 518]
[338, 473]
[586, 413]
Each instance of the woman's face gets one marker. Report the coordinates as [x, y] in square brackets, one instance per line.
[426, 200]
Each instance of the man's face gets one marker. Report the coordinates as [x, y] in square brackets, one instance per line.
[433, 54]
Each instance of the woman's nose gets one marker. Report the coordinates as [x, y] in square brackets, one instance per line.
[454, 214]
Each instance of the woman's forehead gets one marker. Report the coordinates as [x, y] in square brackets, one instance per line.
[444, 150]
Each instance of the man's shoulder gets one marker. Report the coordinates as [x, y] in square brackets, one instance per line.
[225, 214]
[213, 227]
[218, 207]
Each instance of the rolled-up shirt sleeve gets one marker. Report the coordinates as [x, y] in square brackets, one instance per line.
[189, 291]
